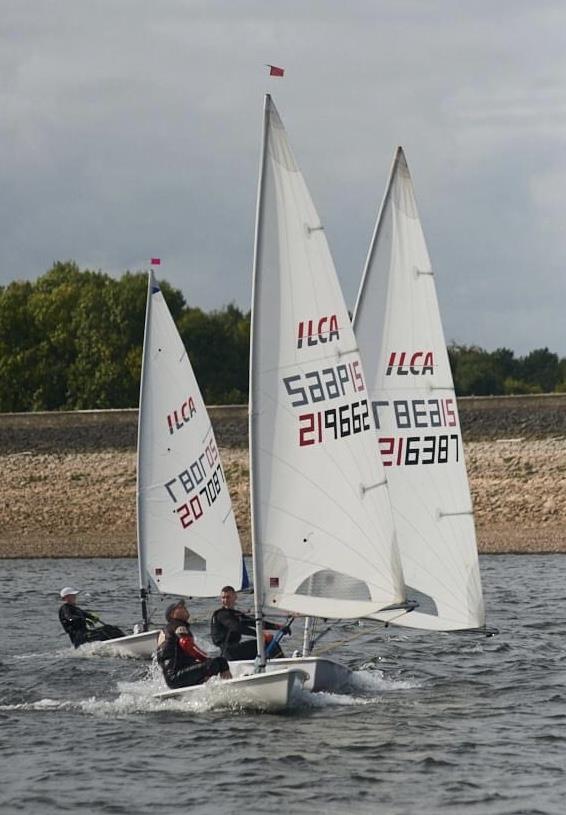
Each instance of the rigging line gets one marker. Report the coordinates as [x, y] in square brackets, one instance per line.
[404, 613]
[347, 640]
[318, 635]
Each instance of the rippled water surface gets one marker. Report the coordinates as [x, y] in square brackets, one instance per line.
[433, 724]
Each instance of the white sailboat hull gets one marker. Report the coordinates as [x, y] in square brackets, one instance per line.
[272, 691]
[139, 646]
[323, 674]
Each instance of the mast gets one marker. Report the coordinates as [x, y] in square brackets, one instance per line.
[140, 532]
[307, 636]
[376, 233]
[256, 284]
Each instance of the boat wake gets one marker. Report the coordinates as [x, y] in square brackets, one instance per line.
[367, 686]
[90, 650]
[141, 700]
[138, 698]
[368, 680]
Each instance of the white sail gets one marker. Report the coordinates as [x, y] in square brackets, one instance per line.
[187, 538]
[399, 331]
[324, 540]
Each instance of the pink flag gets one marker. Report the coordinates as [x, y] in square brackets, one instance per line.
[156, 261]
[275, 71]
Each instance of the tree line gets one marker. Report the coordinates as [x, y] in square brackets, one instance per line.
[73, 340]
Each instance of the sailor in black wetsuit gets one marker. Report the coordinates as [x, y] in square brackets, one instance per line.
[79, 624]
[228, 625]
[182, 661]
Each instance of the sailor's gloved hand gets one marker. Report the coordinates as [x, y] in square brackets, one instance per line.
[92, 619]
[286, 629]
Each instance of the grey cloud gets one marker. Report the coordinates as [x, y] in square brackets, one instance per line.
[132, 129]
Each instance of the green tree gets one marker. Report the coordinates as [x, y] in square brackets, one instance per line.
[475, 371]
[53, 306]
[518, 386]
[73, 339]
[504, 362]
[540, 367]
[218, 347]
[18, 343]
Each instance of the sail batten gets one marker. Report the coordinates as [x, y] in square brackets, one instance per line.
[324, 546]
[399, 330]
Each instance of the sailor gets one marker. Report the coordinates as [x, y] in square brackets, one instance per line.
[182, 661]
[228, 625]
[82, 626]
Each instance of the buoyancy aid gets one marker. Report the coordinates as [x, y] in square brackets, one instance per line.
[178, 649]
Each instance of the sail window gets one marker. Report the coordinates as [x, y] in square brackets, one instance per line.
[193, 562]
[426, 604]
[338, 586]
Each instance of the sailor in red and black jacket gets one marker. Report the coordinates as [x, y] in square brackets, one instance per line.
[228, 625]
[182, 661]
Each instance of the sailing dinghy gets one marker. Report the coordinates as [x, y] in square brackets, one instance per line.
[322, 528]
[413, 405]
[188, 542]
[270, 691]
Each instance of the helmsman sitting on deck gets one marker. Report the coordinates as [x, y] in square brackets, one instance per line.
[181, 660]
[228, 625]
[82, 626]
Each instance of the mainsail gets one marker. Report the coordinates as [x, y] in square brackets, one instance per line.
[399, 331]
[324, 541]
[187, 538]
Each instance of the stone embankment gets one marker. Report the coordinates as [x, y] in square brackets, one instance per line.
[68, 480]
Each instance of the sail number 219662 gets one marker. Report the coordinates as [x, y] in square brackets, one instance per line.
[335, 423]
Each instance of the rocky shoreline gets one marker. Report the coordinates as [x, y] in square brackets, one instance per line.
[82, 503]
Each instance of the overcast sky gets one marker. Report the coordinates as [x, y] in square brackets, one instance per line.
[131, 128]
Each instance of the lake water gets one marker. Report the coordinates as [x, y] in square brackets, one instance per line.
[434, 723]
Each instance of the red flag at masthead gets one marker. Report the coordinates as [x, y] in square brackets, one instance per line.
[275, 71]
[155, 262]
